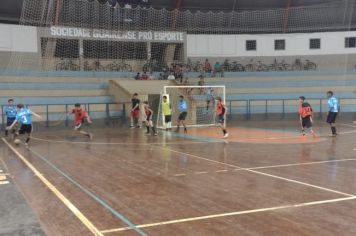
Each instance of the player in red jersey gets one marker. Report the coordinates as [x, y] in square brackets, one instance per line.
[306, 116]
[149, 115]
[221, 113]
[79, 118]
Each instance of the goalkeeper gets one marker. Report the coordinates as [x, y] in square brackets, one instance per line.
[182, 108]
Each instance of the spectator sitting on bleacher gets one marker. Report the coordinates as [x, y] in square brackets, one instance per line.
[207, 66]
[178, 73]
[138, 76]
[144, 76]
[201, 82]
[218, 69]
[171, 76]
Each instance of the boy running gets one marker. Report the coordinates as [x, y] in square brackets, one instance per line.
[167, 112]
[306, 116]
[10, 112]
[79, 118]
[182, 108]
[221, 113]
[24, 117]
[149, 115]
[135, 111]
[333, 104]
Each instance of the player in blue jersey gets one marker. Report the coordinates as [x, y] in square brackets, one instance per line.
[209, 97]
[333, 105]
[24, 118]
[182, 108]
[10, 112]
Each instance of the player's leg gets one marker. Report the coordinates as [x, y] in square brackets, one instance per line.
[28, 131]
[223, 126]
[331, 120]
[184, 116]
[207, 104]
[150, 123]
[179, 122]
[132, 119]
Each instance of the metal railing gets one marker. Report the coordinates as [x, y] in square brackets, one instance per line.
[121, 112]
[248, 104]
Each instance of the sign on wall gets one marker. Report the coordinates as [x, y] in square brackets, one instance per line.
[98, 34]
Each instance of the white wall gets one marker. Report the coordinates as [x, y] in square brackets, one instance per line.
[17, 38]
[296, 44]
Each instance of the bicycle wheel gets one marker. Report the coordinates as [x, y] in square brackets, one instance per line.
[127, 67]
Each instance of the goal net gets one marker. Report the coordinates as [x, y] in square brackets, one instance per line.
[200, 100]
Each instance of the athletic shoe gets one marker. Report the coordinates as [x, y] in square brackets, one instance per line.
[138, 127]
[132, 127]
[314, 135]
[26, 145]
[226, 135]
[155, 134]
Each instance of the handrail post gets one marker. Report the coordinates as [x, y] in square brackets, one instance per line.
[266, 109]
[230, 113]
[246, 115]
[66, 121]
[124, 112]
[249, 109]
[107, 113]
[47, 116]
[320, 110]
[283, 109]
[2, 118]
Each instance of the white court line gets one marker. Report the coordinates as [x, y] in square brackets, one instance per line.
[200, 172]
[122, 143]
[4, 182]
[299, 164]
[261, 173]
[218, 171]
[2, 177]
[57, 193]
[179, 174]
[231, 214]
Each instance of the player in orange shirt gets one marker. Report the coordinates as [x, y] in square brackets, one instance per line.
[306, 116]
[221, 113]
[79, 118]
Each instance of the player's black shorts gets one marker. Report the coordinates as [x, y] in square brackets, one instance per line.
[306, 122]
[182, 115]
[9, 121]
[331, 117]
[148, 118]
[25, 129]
[167, 119]
[221, 119]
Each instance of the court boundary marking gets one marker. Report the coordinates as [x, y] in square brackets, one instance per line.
[260, 173]
[85, 221]
[272, 166]
[91, 194]
[183, 220]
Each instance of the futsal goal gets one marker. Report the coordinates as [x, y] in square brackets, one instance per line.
[201, 103]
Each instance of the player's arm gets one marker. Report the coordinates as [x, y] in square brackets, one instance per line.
[12, 125]
[136, 106]
[87, 117]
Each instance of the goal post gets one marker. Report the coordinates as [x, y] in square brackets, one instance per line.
[201, 102]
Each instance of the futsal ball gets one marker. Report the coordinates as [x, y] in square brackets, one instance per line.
[17, 141]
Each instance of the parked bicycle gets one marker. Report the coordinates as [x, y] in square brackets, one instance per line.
[154, 65]
[95, 66]
[259, 66]
[234, 66]
[194, 66]
[118, 66]
[279, 66]
[67, 64]
[299, 65]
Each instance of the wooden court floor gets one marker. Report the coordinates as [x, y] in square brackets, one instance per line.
[265, 179]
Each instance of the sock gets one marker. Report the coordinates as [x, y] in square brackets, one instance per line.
[153, 129]
[333, 130]
[224, 131]
[27, 140]
[148, 129]
[6, 132]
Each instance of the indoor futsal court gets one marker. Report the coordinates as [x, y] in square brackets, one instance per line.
[177, 118]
